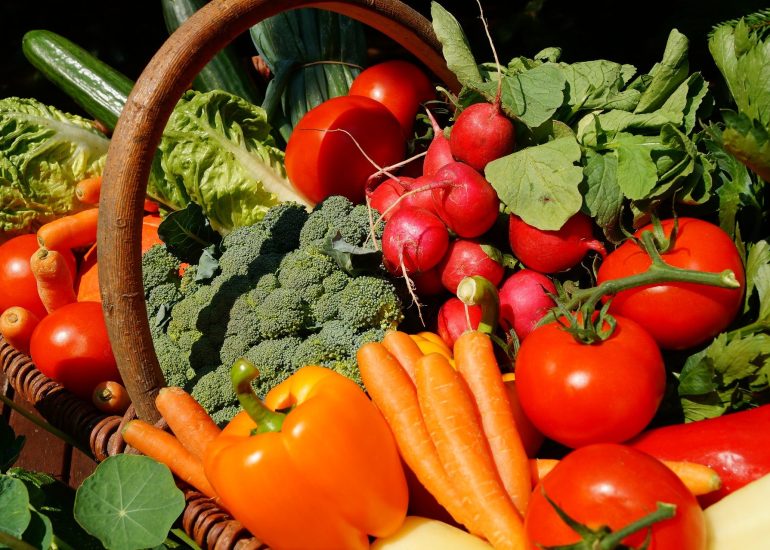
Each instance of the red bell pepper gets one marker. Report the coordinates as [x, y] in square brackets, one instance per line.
[736, 446]
[324, 475]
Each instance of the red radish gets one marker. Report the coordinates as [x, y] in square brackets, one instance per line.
[439, 153]
[420, 193]
[467, 203]
[523, 301]
[384, 195]
[466, 258]
[481, 134]
[428, 283]
[414, 240]
[553, 251]
[452, 320]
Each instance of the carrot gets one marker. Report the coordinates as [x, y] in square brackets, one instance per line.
[404, 349]
[88, 190]
[454, 426]
[16, 326]
[189, 421]
[475, 360]
[166, 449]
[394, 393]
[698, 478]
[54, 279]
[73, 231]
[110, 397]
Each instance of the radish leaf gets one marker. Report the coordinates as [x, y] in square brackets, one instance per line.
[540, 184]
[129, 502]
[455, 47]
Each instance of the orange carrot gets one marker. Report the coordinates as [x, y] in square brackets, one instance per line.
[189, 421]
[110, 397]
[394, 393]
[475, 360]
[404, 349]
[88, 190]
[166, 449]
[16, 326]
[454, 426]
[73, 231]
[54, 279]
[698, 478]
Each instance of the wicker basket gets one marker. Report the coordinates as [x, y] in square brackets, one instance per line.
[134, 142]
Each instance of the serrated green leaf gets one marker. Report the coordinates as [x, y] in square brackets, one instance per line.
[748, 141]
[740, 358]
[602, 195]
[758, 278]
[540, 183]
[455, 47]
[696, 408]
[697, 375]
[129, 502]
[14, 502]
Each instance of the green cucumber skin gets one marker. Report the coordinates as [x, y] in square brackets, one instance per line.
[99, 89]
[224, 71]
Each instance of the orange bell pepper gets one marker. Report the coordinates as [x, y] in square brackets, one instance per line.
[325, 475]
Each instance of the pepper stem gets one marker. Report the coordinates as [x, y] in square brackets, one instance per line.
[242, 374]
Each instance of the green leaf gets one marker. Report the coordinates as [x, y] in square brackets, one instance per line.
[353, 260]
[666, 75]
[603, 197]
[532, 96]
[187, 233]
[540, 184]
[758, 278]
[598, 85]
[636, 171]
[129, 502]
[697, 91]
[748, 141]
[10, 445]
[14, 502]
[39, 532]
[455, 46]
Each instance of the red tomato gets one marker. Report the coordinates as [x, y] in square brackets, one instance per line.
[70, 345]
[614, 485]
[17, 283]
[322, 160]
[399, 85]
[679, 315]
[578, 394]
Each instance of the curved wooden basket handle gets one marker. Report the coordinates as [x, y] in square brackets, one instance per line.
[137, 135]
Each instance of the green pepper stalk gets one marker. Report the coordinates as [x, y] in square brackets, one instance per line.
[242, 374]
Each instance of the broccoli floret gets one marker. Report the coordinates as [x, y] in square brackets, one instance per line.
[284, 222]
[159, 266]
[347, 368]
[303, 267]
[265, 285]
[325, 219]
[273, 359]
[162, 296]
[370, 302]
[188, 284]
[214, 389]
[282, 313]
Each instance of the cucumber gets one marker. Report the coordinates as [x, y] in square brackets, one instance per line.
[224, 71]
[97, 88]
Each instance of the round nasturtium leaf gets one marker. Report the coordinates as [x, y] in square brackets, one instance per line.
[14, 502]
[129, 502]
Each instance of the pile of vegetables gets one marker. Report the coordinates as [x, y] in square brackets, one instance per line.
[548, 325]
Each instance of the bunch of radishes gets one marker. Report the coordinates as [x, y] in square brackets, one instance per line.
[435, 224]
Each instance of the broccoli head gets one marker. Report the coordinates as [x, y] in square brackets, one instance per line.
[159, 266]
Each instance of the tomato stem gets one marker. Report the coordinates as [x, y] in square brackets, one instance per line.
[658, 272]
[662, 512]
[242, 374]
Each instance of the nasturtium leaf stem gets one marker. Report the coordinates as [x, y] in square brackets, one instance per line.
[242, 374]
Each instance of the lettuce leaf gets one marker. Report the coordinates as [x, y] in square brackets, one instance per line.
[43, 154]
[217, 147]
